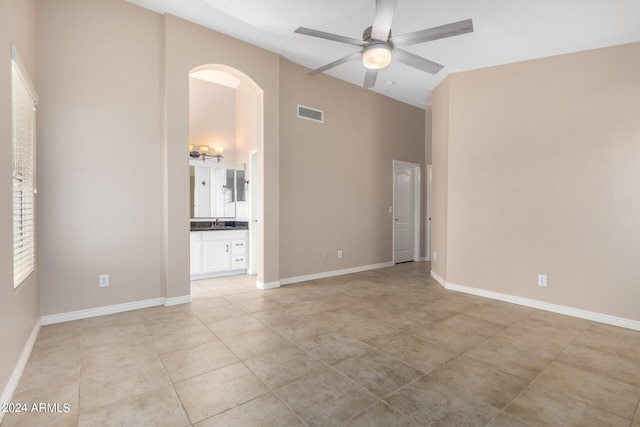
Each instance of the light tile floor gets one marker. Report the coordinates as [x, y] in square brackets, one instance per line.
[388, 347]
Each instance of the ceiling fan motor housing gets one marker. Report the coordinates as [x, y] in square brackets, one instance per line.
[366, 34]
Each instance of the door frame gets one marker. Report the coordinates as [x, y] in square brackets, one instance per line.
[253, 213]
[416, 170]
[429, 184]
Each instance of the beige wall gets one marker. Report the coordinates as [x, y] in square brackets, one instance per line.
[100, 154]
[440, 175]
[246, 123]
[543, 179]
[428, 127]
[336, 177]
[19, 307]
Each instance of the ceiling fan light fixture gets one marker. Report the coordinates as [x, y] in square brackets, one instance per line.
[376, 56]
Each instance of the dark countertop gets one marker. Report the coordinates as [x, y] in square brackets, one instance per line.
[222, 225]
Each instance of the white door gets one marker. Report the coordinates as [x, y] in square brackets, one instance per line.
[403, 211]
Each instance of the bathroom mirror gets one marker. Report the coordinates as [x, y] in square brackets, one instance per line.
[212, 191]
[241, 183]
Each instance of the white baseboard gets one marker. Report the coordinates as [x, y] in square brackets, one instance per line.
[438, 279]
[333, 273]
[542, 305]
[214, 275]
[269, 285]
[112, 309]
[185, 299]
[10, 388]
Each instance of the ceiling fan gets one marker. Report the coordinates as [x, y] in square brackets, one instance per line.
[379, 47]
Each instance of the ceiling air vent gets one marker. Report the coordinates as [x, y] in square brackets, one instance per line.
[310, 114]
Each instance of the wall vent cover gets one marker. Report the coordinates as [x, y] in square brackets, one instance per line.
[310, 114]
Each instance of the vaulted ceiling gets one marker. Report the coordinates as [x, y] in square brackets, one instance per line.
[505, 31]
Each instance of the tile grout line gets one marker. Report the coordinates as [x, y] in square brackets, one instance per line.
[240, 360]
[142, 393]
[313, 373]
[332, 367]
[82, 324]
[540, 373]
[173, 383]
[260, 379]
[385, 401]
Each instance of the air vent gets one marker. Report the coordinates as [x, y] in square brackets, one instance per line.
[310, 114]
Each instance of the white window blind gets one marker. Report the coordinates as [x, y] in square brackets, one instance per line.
[24, 101]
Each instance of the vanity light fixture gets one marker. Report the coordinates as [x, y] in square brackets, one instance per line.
[203, 152]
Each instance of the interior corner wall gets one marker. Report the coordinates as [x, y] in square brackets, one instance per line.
[440, 174]
[19, 311]
[336, 176]
[543, 178]
[428, 137]
[428, 144]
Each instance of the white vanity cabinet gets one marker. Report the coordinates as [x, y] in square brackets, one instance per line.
[239, 254]
[218, 253]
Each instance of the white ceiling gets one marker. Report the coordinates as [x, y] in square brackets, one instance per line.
[505, 31]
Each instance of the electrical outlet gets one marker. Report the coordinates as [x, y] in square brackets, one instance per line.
[434, 256]
[324, 255]
[542, 280]
[103, 280]
[340, 253]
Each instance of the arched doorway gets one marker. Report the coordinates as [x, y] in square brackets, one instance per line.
[238, 133]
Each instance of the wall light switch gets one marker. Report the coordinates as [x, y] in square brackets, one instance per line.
[390, 209]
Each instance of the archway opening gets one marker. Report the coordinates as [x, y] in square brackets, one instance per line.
[226, 116]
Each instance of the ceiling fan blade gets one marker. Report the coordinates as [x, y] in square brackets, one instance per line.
[329, 36]
[382, 19]
[416, 61]
[370, 78]
[435, 33]
[351, 57]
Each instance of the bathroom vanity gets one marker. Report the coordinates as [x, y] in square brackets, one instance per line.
[218, 249]
[218, 240]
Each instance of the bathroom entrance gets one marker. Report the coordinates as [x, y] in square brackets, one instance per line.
[225, 130]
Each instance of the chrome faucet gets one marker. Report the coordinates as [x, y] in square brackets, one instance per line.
[217, 222]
